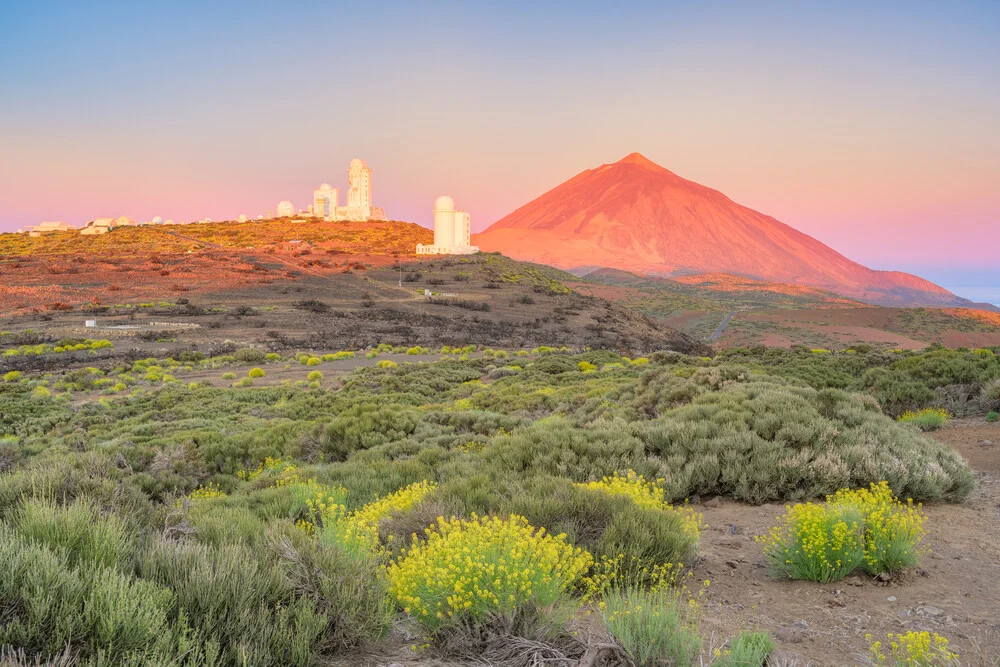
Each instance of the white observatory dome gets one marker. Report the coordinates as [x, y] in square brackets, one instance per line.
[326, 186]
[444, 203]
[156, 220]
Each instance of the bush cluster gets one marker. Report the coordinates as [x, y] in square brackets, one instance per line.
[866, 528]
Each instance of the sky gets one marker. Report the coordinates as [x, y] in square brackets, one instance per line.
[874, 127]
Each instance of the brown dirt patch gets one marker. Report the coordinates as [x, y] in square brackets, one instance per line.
[955, 593]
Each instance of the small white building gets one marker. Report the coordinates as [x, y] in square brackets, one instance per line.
[325, 201]
[452, 231]
[98, 226]
[285, 209]
[49, 227]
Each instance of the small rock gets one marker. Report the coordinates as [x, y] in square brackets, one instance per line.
[906, 613]
[695, 499]
[734, 529]
[782, 656]
[801, 624]
[731, 563]
[883, 577]
[923, 573]
[855, 580]
[929, 611]
[891, 598]
[836, 602]
[986, 443]
[789, 635]
[714, 502]
[936, 556]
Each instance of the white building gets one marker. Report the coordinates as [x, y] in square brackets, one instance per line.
[326, 199]
[49, 227]
[98, 226]
[452, 231]
[285, 209]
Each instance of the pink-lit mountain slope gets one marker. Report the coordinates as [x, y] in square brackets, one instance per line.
[637, 216]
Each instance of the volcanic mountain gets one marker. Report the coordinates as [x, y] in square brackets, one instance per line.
[637, 216]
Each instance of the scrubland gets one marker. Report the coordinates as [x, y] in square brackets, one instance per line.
[513, 506]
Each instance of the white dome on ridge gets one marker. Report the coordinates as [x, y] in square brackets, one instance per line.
[444, 203]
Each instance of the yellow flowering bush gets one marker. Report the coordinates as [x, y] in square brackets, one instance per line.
[913, 649]
[892, 530]
[619, 573]
[928, 419]
[209, 490]
[816, 542]
[866, 528]
[644, 494]
[267, 465]
[358, 530]
[481, 567]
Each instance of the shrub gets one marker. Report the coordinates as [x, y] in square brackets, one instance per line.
[928, 419]
[245, 382]
[892, 530]
[314, 376]
[992, 416]
[478, 569]
[77, 531]
[12, 376]
[386, 363]
[913, 649]
[748, 649]
[817, 543]
[256, 373]
[272, 356]
[586, 367]
[351, 589]
[249, 355]
[866, 528]
[313, 361]
[229, 376]
[655, 627]
[41, 392]
[357, 532]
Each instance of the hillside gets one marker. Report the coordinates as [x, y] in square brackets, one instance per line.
[637, 216]
[284, 286]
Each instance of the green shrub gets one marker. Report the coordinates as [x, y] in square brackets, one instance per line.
[748, 649]
[992, 416]
[314, 376]
[313, 361]
[249, 355]
[245, 382]
[350, 589]
[586, 367]
[928, 419]
[272, 356]
[12, 376]
[229, 376]
[656, 627]
[78, 532]
[256, 373]
[239, 601]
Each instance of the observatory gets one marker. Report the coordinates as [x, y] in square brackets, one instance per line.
[452, 231]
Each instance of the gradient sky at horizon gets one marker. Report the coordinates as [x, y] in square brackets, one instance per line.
[874, 127]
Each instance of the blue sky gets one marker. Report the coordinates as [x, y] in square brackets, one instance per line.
[874, 127]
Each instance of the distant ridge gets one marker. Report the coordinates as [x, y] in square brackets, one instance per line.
[637, 216]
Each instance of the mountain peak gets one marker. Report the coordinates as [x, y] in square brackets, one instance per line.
[638, 216]
[639, 159]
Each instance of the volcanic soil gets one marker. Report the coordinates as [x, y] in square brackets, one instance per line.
[955, 591]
